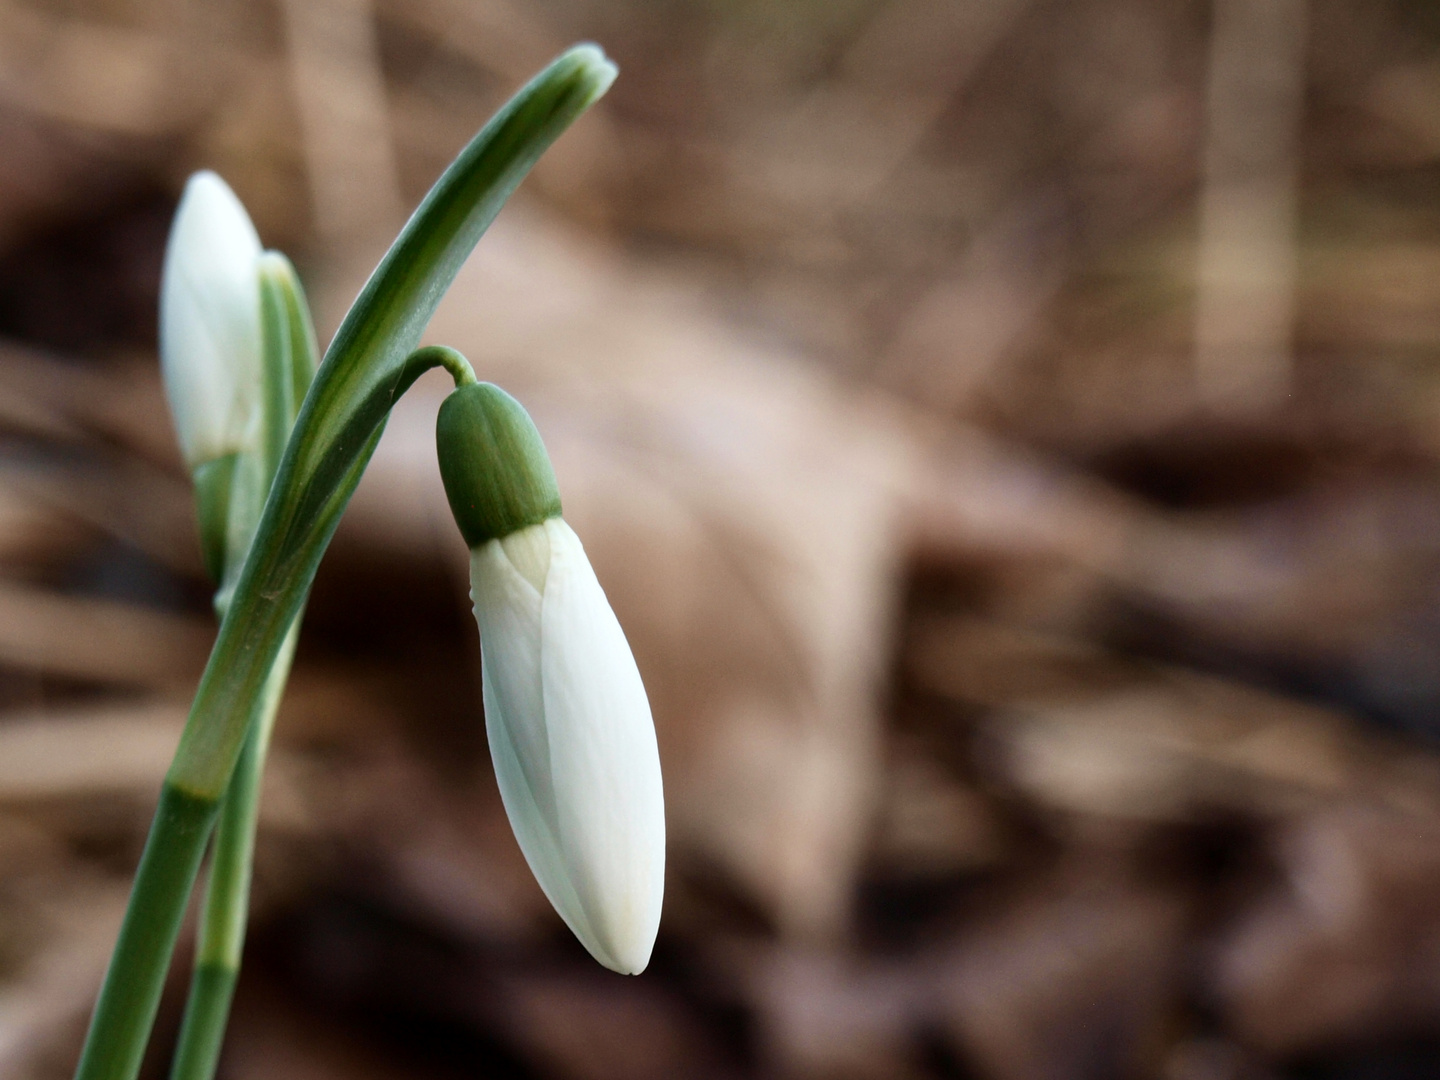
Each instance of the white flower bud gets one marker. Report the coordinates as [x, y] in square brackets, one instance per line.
[572, 739]
[210, 345]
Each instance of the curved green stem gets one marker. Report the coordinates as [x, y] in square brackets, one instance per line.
[367, 367]
[442, 356]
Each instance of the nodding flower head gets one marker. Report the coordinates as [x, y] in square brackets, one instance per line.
[210, 322]
[565, 711]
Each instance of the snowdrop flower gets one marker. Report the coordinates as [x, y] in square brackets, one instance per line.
[565, 711]
[210, 322]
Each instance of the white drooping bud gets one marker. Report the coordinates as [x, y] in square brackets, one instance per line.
[566, 713]
[210, 323]
[572, 739]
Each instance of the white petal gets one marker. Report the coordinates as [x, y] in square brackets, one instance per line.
[210, 321]
[605, 766]
[507, 610]
[572, 740]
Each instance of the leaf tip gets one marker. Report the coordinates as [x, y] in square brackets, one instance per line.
[596, 70]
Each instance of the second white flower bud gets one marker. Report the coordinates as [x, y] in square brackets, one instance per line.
[210, 323]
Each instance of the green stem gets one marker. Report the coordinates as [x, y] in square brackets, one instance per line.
[368, 366]
[442, 356]
[221, 938]
[184, 820]
[125, 1011]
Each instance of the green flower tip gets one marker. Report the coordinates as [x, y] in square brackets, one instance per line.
[497, 474]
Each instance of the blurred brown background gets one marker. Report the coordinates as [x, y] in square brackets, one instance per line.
[1008, 430]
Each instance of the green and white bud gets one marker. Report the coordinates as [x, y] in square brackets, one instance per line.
[566, 713]
[210, 323]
